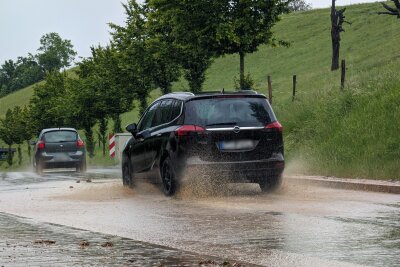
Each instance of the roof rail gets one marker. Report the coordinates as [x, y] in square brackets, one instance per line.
[180, 93]
[249, 92]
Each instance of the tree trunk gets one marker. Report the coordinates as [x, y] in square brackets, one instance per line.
[9, 156]
[89, 141]
[117, 123]
[242, 83]
[103, 132]
[335, 34]
[143, 105]
[19, 155]
[29, 149]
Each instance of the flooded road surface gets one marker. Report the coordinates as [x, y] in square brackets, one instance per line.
[297, 226]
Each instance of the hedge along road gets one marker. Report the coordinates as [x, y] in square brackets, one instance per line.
[300, 225]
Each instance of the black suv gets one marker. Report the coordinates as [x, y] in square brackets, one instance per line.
[232, 137]
[59, 148]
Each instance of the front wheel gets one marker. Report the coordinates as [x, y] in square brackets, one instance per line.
[270, 184]
[169, 179]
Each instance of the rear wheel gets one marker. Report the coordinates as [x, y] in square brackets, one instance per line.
[271, 183]
[82, 167]
[39, 167]
[169, 179]
[127, 179]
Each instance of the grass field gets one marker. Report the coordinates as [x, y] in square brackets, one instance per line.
[353, 133]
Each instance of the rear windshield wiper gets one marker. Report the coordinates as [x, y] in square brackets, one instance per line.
[222, 124]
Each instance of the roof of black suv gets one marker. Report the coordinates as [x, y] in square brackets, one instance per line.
[188, 96]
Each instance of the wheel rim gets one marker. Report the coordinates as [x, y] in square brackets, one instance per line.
[167, 178]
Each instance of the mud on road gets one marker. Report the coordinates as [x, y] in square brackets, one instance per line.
[299, 225]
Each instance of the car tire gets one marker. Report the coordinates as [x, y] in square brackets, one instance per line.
[127, 179]
[169, 178]
[270, 184]
[39, 167]
[82, 167]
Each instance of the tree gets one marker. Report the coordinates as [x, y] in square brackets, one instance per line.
[135, 59]
[393, 11]
[337, 20]
[299, 5]
[81, 102]
[190, 29]
[7, 129]
[247, 24]
[55, 52]
[47, 105]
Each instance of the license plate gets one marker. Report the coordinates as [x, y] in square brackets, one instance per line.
[237, 145]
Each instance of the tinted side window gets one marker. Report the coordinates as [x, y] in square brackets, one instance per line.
[148, 117]
[168, 110]
[176, 109]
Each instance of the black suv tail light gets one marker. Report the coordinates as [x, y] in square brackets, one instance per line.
[275, 125]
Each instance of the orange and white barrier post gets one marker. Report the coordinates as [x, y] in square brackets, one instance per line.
[111, 146]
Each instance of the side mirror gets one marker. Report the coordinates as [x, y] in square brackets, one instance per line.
[132, 128]
[32, 143]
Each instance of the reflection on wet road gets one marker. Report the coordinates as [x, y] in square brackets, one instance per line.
[299, 225]
[24, 242]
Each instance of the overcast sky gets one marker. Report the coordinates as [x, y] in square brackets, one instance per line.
[84, 22]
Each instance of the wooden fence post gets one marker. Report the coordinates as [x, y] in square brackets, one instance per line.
[270, 89]
[294, 86]
[343, 76]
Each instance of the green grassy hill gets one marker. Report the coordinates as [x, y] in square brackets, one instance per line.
[350, 133]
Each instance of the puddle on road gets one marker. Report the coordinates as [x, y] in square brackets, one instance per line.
[26, 242]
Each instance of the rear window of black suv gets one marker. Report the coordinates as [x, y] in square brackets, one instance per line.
[229, 110]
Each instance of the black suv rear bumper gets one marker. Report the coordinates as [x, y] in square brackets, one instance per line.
[243, 171]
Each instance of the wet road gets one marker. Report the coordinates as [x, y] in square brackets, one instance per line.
[297, 226]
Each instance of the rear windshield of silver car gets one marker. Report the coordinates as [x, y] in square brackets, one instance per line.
[60, 136]
[221, 111]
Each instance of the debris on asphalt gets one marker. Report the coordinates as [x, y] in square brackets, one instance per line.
[107, 244]
[71, 187]
[78, 181]
[44, 242]
[84, 244]
[211, 263]
[89, 180]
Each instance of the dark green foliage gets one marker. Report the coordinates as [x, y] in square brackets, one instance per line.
[247, 83]
[204, 29]
[47, 104]
[191, 31]
[54, 52]
[82, 104]
[16, 75]
[15, 129]
[246, 25]
[135, 58]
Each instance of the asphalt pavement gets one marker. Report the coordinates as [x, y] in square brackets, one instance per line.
[300, 225]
